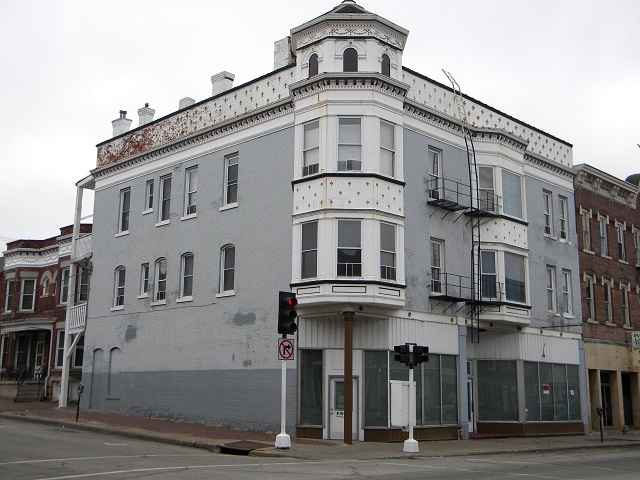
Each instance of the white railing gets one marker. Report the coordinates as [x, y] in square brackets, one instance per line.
[77, 317]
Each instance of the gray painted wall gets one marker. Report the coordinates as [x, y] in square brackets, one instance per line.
[212, 359]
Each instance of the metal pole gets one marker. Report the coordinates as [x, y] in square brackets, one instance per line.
[410, 444]
[282, 439]
[348, 377]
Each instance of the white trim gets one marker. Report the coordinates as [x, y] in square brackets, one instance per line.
[189, 217]
[33, 295]
[115, 309]
[226, 293]
[162, 223]
[121, 234]
[158, 302]
[228, 206]
[184, 299]
[147, 211]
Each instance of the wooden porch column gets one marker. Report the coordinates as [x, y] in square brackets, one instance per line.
[348, 376]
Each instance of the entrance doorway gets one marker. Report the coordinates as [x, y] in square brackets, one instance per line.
[336, 408]
[605, 391]
[627, 399]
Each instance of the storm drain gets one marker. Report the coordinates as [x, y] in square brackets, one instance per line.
[241, 447]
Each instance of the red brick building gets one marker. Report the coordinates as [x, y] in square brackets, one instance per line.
[608, 216]
[34, 291]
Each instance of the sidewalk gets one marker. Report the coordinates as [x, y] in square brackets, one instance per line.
[211, 437]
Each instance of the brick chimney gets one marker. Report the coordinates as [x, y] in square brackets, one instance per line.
[221, 82]
[121, 124]
[145, 114]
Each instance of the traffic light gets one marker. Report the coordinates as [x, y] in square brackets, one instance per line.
[411, 357]
[420, 354]
[287, 314]
[402, 353]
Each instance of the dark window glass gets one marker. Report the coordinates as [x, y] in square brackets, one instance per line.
[497, 390]
[165, 204]
[309, 250]
[431, 394]
[449, 374]
[228, 268]
[532, 391]
[573, 384]
[375, 389]
[313, 65]
[349, 249]
[386, 65]
[546, 391]
[515, 276]
[311, 387]
[350, 60]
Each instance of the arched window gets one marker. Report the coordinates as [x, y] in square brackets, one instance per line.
[118, 286]
[386, 65]
[160, 280]
[45, 284]
[350, 60]
[186, 275]
[227, 268]
[313, 65]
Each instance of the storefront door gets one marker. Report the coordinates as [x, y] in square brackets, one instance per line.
[336, 408]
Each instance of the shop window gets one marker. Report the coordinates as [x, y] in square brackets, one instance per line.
[552, 392]
[311, 387]
[376, 389]
[497, 390]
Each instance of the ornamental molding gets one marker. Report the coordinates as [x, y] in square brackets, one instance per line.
[370, 28]
[348, 81]
[601, 183]
[554, 167]
[242, 123]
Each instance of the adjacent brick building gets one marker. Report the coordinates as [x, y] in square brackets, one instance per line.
[34, 291]
[608, 215]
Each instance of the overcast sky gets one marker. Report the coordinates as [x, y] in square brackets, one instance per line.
[571, 68]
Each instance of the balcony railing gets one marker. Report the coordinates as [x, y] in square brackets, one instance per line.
[455, 195]
[77, 318]
[457, 288]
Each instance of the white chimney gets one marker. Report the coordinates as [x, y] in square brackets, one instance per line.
[121, 124]
[282, 53]
[185, 102]
[145, 114]
[221, 82]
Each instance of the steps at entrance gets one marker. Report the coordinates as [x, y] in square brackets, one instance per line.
[29, 392]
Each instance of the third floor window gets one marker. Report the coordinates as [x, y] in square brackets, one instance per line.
[387, 149]
[349, 144]
[123, 210]
[190, 190]
[311, 148]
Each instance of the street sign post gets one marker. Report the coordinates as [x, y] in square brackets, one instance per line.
[286, 349]
[286, 352]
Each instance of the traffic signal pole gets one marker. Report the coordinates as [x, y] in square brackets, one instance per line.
[410, 444]
[282, 439]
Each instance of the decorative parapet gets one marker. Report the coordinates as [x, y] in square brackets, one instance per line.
[605, 184]
[348, 81]
[370, 26]
[237, 102]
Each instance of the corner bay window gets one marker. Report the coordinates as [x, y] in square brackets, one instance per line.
[311, 149]
[27, 300]
[9, 295]
[387, 148]
[309, 255]
[387, 251]
[349, 144]
[349, 248]
[511, 194]
[515, 277]
[487, 193]
[488, 275]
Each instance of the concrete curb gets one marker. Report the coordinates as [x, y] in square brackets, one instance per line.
[135, 434]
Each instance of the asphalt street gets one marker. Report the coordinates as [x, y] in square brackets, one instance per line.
[30, 451]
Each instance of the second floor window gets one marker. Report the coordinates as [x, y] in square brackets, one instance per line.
[190, 190]
[437, 264]
[231, 178]
[64, 286]
[548, 212]
[160, 280]
[488, 275]
[186, 275]
[28, 295]
[387, 149]
[511, 194]
[434, 160]
[349, 145]
[144, 279]
[622, 251]
[311, 148]
[567, 294]
[515, 277]
[227, 268]
[309, 260]
[551, 288]
[9, 295]
[123, 210]
[590, 297]
[118, 287]
[148, 195]
[387, 251]
[603, 223]
[564, 218]
[486, 189]
[349, 248]
[165, 198]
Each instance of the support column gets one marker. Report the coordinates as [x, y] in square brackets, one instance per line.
[585, 384]
[635, 399]
[348, 376]
[595, 398]
[617, 404]
[463, 382]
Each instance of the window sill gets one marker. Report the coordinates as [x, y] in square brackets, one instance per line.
[569, 316]
[189, 217]
[140, 297]
[184, 299]
[592, 322]
[590, 252]
[26, 311]
[228, 293]
[627, 327]
[623, 262]
[147, 211]
[163, 222]
[549, 236]
[610, 324]
[157, 303]
[118, 308]
[229, 206]
[121, 234]
[607, 257]
[564, 240]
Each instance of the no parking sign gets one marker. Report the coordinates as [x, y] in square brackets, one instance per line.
[286, 349]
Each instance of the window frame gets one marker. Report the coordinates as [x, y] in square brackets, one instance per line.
[437, 270]
[636, 243]
[624, 305]
[385, 65]
[124, 210]
[388, 272]
[390, 150]
[22, 295]
[603, 235]
[119, 286]
[9, 295]
[350, 68]
[525, 275]
[190, 208]
[307, 168]
[60, 349]
[183, 275]
[551, 289]
[230, 160]
[547, 198]
[620, 241]
[564, 218]
[144, 279]
[83, 285]
[590, 291]
[506, 173]
[586, 216]
[313, 65]
[339, 247]
[608, 299]
[342, 119]
[490, 200]
[149, 188]
[164, 198]
[493, 274]
[65, 275]
[157, 282]
[304, 251]
[222, 290]
[567, 293]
